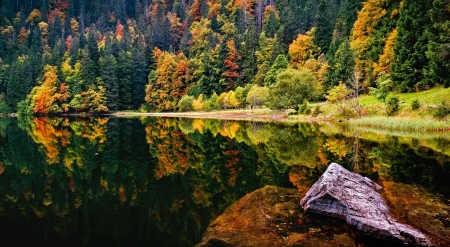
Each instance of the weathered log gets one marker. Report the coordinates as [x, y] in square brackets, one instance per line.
[352, 197]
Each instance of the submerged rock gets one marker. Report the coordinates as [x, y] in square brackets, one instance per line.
[352, 197]
[271, 217]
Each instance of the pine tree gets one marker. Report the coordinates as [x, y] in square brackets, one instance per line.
[249, 58]
[411, 46]
[324, 27]
[139, 79]
[438, 49]
[271, 25]
[124, 75]
[343, 67]
[109, 77]
[89, 69]
[280, 64]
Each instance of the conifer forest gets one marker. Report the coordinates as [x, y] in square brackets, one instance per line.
[85, 56]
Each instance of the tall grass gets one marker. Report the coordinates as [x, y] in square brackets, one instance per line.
[398, 124]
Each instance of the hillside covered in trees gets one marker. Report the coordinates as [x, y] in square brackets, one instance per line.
[169, 55]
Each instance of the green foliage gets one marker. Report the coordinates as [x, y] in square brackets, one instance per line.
[438, 49]
[411, 46]
[216, 46]
[337, 95]
[213, 103]
[4, 108]
[292, 87]
[304, 107]
[343, 67]
[185, 103]
[392, 105]
[415, 104]
[257, 96]
[383, 90]
[442, 110]
[280, 64]
[316, 111]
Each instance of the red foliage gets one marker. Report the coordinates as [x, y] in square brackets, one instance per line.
[119, 30]
[68, 43]
[195, 10]
[122, 195]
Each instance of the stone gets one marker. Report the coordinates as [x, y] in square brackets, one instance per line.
[346, 195]
[270, 217]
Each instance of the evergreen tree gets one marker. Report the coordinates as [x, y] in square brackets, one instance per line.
[324, 27]
[438, 49]
[271, 25]
[139, 79]
[249, 58]
[89, 70]
[109, 77]
[343, 67]
[125, 74]
[280, 64]
[411, 46]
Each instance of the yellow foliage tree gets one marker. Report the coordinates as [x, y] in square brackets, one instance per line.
[387, 57]
[369, 16]
[302, 49]
[51, 95]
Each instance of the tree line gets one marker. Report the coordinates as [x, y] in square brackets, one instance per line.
[162, 55]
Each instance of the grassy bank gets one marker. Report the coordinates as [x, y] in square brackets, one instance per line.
[374, 115]
[401, 123]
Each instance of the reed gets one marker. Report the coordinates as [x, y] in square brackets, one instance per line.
[398, 124]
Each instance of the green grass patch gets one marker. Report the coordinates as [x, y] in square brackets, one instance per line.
[399, 124]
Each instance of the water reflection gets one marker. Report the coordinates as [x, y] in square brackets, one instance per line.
[160, 182]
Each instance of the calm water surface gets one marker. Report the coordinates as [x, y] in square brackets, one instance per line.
[161, 181]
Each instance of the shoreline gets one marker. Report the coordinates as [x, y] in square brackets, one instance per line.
[392, 123]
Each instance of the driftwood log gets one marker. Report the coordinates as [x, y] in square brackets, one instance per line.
[352, 197]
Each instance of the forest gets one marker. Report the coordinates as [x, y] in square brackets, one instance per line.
[83, 56]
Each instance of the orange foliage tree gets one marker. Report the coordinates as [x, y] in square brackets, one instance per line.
[50, 96]
[387, 57]
[231, 63]
[362, 33]
[302, 49]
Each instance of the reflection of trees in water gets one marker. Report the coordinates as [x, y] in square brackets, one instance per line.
[130, 178]
[415, 165]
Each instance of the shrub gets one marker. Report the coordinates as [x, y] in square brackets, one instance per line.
[292, 87]
[415, 104]
[257, 96]
[290, 112]
[392, 105]
[303, 108]
[443, 110]
[316, 111]
[198, 103]
[185, 103]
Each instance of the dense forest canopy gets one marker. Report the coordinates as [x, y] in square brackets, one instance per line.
[166, 55]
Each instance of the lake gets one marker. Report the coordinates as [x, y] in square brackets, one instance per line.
[161, 181]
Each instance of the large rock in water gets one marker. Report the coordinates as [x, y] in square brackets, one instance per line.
[352, 197]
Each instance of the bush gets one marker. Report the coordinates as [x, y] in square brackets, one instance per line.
[292, 87]
[290, 112]
[316, 111]
[392, 105]
[304, 108]
[257, 96]
[443, 110]
[185, 103]
[415, 104]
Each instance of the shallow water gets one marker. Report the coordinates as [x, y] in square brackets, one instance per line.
[161, 181]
